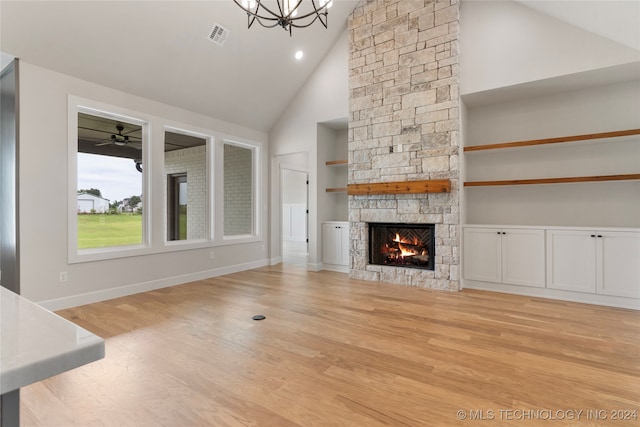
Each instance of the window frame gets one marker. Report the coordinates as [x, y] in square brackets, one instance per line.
[256, 198]
[79, 105]
[210, 140]
[154, 184]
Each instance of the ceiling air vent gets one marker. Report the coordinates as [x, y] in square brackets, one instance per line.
[219, 34]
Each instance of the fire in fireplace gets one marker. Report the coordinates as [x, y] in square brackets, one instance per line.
[402, 245]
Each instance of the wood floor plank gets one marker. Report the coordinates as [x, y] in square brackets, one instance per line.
[339, 352]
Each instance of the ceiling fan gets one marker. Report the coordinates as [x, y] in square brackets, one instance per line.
[118, 139]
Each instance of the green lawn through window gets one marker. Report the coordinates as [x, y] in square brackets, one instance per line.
[102, 230]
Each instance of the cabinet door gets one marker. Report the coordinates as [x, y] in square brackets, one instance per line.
[344, 245]
[330, 244]
[619, 272]
[482, 252]
[523, 257]
[571, 260]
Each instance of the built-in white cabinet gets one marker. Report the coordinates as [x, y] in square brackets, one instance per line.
[572, 260]
[335, 245]
[511, 256]
[598, 266]
[594, 261]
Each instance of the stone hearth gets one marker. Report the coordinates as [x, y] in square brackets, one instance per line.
[404, 126]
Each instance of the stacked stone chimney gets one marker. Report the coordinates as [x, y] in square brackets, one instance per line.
[404, 126]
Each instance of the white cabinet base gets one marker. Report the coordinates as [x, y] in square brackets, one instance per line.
[554, 294]
[510, 256]
[598, 266]
[571, 261]
[618, 275]
[335, 246]
[597, 261]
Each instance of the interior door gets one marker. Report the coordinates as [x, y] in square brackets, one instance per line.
[295, 202]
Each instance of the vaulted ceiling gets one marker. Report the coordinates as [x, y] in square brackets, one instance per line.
[613, 19]
[160, 49]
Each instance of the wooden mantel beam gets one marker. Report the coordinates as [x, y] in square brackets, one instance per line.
[402, 187]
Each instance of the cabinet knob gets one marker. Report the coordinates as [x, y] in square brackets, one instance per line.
[593, 235]
[599, 235]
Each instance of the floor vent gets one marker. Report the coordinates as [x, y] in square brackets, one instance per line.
[219, 34]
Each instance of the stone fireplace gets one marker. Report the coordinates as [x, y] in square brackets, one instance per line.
[404, 122]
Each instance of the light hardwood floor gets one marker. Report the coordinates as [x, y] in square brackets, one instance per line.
[340, 352]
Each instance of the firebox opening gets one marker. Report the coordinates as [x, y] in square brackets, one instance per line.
[402, 245]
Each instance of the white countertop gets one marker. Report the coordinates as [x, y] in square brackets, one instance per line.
[36, 344]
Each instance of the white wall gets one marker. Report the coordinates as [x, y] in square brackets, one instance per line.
[341, 176]
[43, 172]
[593, 110]
[324, 97]
[504, 43]
[332, 145]
[526, 75]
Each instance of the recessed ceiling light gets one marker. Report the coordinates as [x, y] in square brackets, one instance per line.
[299, 55]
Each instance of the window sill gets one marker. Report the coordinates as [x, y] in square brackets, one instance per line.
[103, 254]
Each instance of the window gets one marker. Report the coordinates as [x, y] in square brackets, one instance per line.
[185, 165]
[238, 190]
[129, 195]
[109, 181]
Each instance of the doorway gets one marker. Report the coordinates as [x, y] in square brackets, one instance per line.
[295, 216]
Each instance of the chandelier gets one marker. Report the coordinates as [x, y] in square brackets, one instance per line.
[289, 13]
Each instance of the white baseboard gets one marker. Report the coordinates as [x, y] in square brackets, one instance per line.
[275, 261]
[106, 294]
[606, 300]
[336, 268]
[312, 266]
